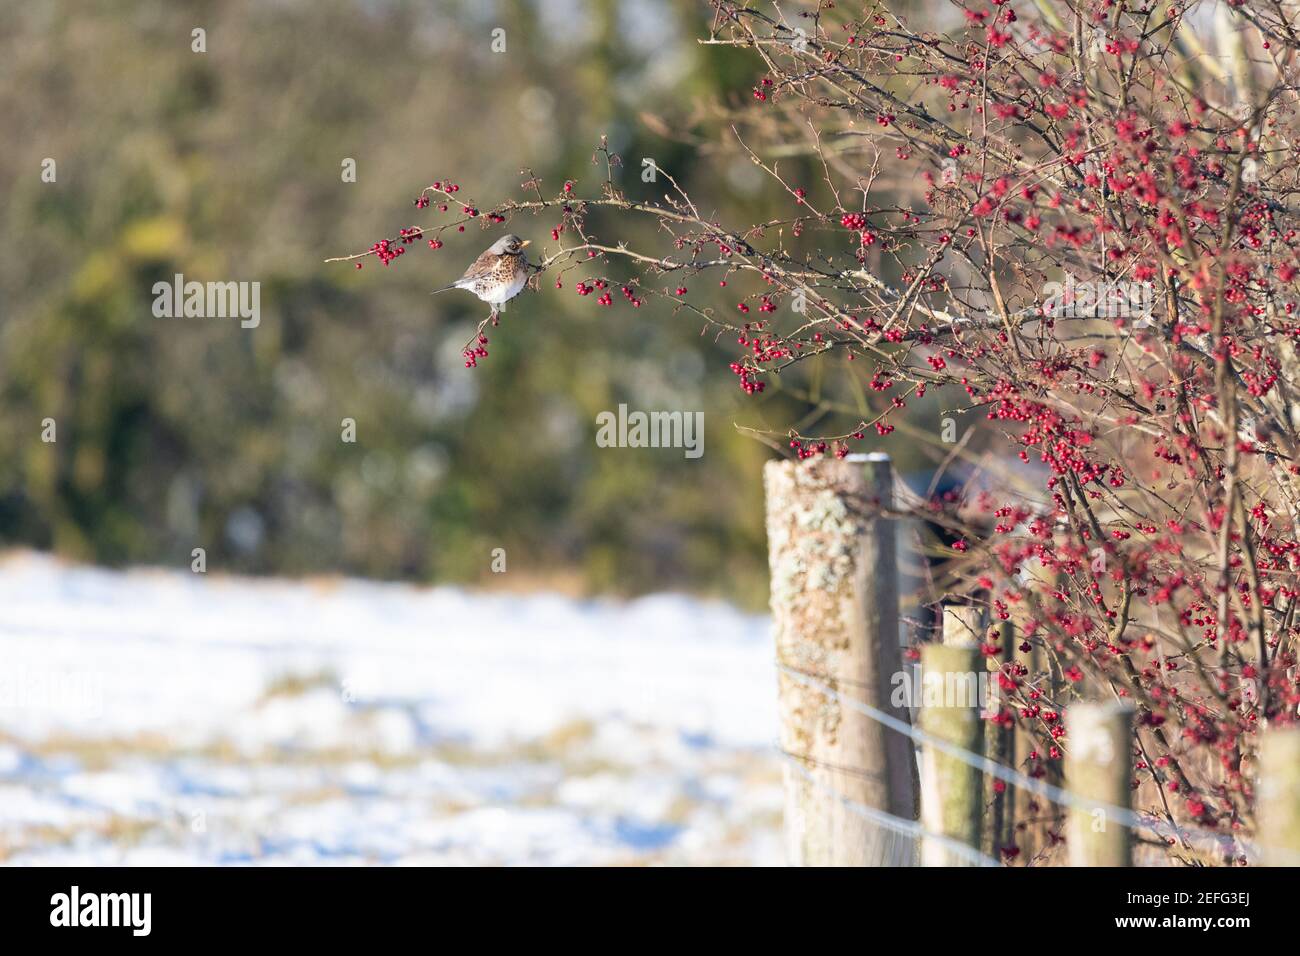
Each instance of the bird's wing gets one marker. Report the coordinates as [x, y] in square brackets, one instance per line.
[479, 268]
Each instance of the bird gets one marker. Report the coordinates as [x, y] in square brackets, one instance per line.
[498, 275]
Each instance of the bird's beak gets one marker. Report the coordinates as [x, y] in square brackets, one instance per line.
[526, 242]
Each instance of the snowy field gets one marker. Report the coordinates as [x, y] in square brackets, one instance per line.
[165, 717]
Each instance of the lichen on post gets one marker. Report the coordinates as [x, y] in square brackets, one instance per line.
[835, 612]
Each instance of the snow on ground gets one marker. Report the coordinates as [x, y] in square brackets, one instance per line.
[166, 717]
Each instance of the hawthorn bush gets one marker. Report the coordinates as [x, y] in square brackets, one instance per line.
[1078, 223]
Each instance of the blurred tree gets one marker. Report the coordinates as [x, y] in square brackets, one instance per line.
[226, 166]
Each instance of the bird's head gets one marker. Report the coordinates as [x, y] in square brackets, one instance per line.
[508, 245]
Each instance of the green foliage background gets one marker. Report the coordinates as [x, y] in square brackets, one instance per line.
[174, 434]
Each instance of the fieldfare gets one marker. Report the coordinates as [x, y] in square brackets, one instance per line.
[498, 275]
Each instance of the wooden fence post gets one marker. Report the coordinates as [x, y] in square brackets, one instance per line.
[1045, 666]
[1099, 769]
[835, 613]
[963, 624]
[999, 745]
[1279, 797]
[952, 790]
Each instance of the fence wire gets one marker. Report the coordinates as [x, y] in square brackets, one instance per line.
[894, 841]
[1195, 838]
